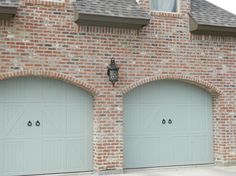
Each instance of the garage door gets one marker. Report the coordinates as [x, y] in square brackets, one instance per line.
[45, 127]
[167, 123]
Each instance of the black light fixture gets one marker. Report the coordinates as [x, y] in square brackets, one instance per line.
[113, 72]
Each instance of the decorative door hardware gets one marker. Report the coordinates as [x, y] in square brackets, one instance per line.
[37, 123]
[169, 121]
[29, 124]
[163, 121]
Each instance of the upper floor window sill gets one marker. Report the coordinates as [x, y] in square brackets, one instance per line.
[46, 2]
[166, 14]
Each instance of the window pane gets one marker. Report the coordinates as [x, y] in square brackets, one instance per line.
[164, 5]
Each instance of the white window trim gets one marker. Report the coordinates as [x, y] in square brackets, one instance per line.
[158, 11]
[56, 1]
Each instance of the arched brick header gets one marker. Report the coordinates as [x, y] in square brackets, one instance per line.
[49, 74]
[191, 80]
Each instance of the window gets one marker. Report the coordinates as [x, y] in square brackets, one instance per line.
[164, 5]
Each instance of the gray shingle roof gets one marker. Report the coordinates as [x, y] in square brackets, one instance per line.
[113, 8]
[206, 13]
[9, 3]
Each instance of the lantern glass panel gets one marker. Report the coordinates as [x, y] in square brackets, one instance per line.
[114, 75]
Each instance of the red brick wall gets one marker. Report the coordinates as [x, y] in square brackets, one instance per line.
[43, 40]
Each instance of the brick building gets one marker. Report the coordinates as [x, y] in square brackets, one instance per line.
[174, 103]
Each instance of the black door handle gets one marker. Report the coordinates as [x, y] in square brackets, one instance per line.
[37, 123]
[29, 124]
[170, 121]
[163, 121]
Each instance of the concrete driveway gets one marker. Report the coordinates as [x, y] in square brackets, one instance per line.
[185, 171]
[174, 171]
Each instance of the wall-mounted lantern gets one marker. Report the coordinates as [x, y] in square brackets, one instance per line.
[113, 72]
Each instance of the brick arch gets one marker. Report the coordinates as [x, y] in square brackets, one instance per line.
[188, 79]
[49, 74]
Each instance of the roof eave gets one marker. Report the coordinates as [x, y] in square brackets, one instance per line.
[111, 21]
[7, 13]
[197, 28]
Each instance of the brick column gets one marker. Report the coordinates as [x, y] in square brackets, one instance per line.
[108, 127]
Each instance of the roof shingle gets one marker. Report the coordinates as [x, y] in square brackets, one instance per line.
[121, 13]
[206, 13]
[115, 8]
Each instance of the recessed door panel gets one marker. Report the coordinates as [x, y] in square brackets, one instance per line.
[51, 126]
[54, 155]
[14, 121]
[199, 118]
[13, 157]
[181, 149]
[1, 158]
[77, 123]
[144, 147]
[201, 143]
[77, 156]
[32, 157]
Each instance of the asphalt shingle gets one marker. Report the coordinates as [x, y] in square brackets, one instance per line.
[202, 11]
[206, 13]
[112, 8]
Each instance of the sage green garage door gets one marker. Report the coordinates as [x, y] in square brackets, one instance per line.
[45, 127]
[167, 123]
